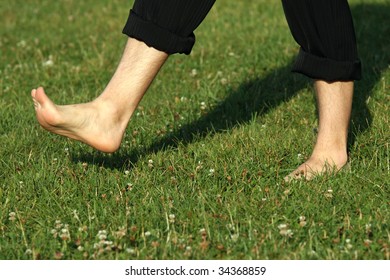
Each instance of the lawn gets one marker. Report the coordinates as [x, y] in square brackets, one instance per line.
[200, 172]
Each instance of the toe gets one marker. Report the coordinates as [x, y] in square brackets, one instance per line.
[33, 92]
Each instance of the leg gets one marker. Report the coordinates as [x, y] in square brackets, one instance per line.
[156, 28]
[102, 122]
[328, 54]
[330, 151]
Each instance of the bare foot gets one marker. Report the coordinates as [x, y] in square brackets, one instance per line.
[317, 166]
[334, 102]
[95, 123]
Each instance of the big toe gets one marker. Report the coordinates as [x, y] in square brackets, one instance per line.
[33, 92]
[296, 175]
[41, 98]
[37, 105]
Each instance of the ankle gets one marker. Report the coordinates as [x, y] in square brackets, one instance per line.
[335, 157]
[118, 113]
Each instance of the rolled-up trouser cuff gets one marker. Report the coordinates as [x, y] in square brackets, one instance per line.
[326, 69]
[156, 36]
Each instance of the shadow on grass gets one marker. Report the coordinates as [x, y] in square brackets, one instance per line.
[257, 97]
[372, 24]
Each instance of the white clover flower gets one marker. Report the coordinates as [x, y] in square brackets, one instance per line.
[102, 235]
[235, 237]
[289, 233]
[64, 233]
[48, 63]
[129, 186]
[120, 233]
[199, 166]
[349, 245]
[171, 218]
[12, 216]
[64, 236]
[302, 221]
[282, 226]
[367, 242]
[211, 171]
[224, 81]
[147, 233]
[83, 228]
[231, 227]
[58, 224]
[21, 44]
[284, 231]
[329, 193]
[194, 72]
[130, 250]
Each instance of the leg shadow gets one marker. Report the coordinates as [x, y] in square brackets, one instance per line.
[251, 99]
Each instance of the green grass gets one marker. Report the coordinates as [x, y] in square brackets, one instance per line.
[200, 172]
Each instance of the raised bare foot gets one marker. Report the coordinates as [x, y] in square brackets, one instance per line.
[95, 123]
[317, 166]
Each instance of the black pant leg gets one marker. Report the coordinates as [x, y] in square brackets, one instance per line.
[167, 25]
[324, 30]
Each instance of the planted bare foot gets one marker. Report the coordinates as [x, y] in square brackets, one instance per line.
[95, 123]
[317, 166]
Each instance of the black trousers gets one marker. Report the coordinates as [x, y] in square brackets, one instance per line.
[323, 29]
